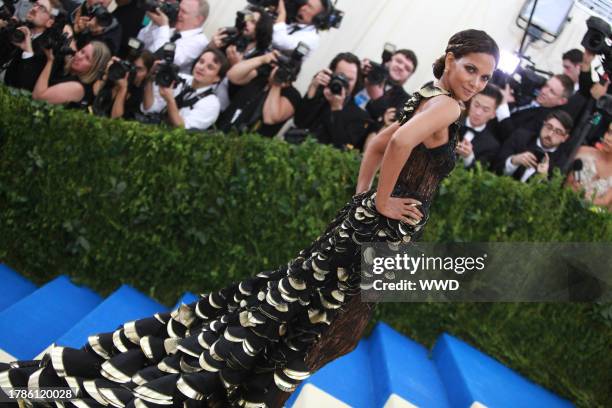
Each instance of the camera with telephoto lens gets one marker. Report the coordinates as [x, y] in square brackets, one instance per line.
[337, 83]
[169, 9]
[379, 72]
[101, 14]
[12, 33]
[597, 41]
[289, 65]
[525, 82]
[168, 71]
[329, 18]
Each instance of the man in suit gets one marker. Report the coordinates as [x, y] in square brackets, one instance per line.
[527, 153]
[555, 93]
[477, 142]
[29, 59]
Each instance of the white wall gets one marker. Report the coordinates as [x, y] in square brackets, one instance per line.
[423, 26]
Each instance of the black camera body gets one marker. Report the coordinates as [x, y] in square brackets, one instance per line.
[379, 72]
[119, 69]
[12, 33]
[595, 40]
[337, 83]
[289, 65]
[103, 17]
[169, 9]
[6, 10]
[524, 89]
[58, 42]
[168, 71]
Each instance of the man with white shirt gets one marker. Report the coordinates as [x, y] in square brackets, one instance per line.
[188, 34]
[192, 104]
[477, 143]
[288, 34]
[526, 153]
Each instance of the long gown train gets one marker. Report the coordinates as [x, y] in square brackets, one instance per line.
[252, 343]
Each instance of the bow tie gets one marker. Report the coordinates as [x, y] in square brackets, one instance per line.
[465, 129]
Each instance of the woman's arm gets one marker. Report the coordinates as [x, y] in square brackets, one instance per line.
[174, 117]
[277, 108]
[71, 91]
[437, 114]
[243, 72]
[374, 151]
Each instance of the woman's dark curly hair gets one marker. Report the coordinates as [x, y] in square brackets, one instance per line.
[264, 28]
[467, 42]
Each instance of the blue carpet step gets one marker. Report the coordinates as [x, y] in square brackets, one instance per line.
[402, 372]
[123, 305]
[471, 376]
[345, 382]
[30, 325]
[187, 298]
[13, 287]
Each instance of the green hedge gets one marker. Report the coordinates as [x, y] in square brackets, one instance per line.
[110, 202]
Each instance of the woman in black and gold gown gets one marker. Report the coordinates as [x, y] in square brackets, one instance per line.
[252, 343]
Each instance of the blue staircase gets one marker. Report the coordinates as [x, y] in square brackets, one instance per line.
[385, 370]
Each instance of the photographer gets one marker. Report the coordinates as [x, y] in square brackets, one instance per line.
[267, 99]
[77, 87]
[27, 64]
[554, 94]
[329, 111]
[288, 34]
[186, 101]
[384, 84]
[527, 152]
[122, 93]
[250, 37]
[94, 20]
[187, 33]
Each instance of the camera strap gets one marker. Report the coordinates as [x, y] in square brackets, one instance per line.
[187, 98]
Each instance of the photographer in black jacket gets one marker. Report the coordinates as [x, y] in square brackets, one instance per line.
[328, 109]
[28, 59]
[94, 20]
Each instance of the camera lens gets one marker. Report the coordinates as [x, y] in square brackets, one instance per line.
[17, 36]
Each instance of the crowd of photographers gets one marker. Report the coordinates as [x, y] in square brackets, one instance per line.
[150, 61]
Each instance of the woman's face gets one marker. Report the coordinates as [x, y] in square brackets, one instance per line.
[469, 74]
[82, 60]
[206, 70]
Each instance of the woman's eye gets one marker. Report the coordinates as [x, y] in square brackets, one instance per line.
[470, 69]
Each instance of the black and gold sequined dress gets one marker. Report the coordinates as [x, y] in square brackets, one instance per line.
[252, 343]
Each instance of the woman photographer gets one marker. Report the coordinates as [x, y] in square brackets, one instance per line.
[267, 99]
[189, 101]
[76, 88]
[128, 91]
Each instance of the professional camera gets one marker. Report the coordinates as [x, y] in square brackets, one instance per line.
[289, 65]
[101, 14]
[378, 71]
[58, 41]
[11, 31]
[597, 41]
[6, 10]
[169, 9]
[235, 34]
[168, 71]
[135, 48]
[525, 82]
[337, 83]
[329, 19]
[118, 69]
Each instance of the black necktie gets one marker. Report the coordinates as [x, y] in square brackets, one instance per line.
[176, 36]
[294, 28]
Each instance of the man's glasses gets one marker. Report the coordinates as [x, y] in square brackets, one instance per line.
[556, 131]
